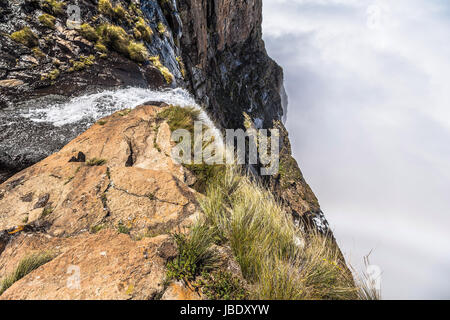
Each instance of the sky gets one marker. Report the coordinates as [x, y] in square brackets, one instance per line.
[369, 118]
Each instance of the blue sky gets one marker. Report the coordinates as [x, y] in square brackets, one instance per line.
[369, 117]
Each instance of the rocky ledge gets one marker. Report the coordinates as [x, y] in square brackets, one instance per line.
[106, 205]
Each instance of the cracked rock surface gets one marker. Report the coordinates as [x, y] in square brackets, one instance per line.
[81, 210]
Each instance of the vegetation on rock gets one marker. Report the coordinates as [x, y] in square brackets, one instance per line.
[25, 266]
[82, 63]
[88, 32]
[163, 69]
[47, 20]
[222, 285]
[143, 31]
[95, 162]
[53, 7]
[25, 37]
[195, 255]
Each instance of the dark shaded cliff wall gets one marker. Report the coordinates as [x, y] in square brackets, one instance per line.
[229, 69]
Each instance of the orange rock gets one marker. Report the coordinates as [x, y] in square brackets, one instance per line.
[129, 181]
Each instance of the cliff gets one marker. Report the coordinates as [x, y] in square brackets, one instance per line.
[113, 190]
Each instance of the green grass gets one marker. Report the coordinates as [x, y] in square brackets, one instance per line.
[95, 162]
[121, 228]
[116, 39]
[96, 228]
[203, 174]
[25, 266]
[262, 237]
[82, 63]
[277, 259]
[168, 76]
[222, 285]
[194, 254]
[137, 51]
[180, 118]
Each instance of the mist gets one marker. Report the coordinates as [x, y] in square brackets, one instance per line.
[369, 119]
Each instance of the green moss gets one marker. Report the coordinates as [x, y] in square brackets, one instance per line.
[204, 174]
[102, 122]
[25, 37]
[222, 285]
[100, 47]
[88, 32]
[182, 67]
[133, 8]
[143, 31]
[137, 51]
[82, 63]
[115, 38]
[288, 171]
[47, 20]
[53, 7]
[95, 162]
[25, 266]
[52, 75]
[38, 53]
[168, 76]
[161, 28]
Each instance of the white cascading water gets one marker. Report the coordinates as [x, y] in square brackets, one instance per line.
[91, 107]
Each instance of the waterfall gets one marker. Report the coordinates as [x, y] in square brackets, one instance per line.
[89, 108]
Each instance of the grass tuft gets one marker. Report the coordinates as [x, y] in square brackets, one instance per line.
[137, 51]
[222, 285]
[95, 162]
[262, 238]
[25, 37]
[143, 31]
[88, 32]
[180, 118]
[25, 266]
[105, 7]
[194, 254]
[47, 20]
[53, 7]
[168, 76]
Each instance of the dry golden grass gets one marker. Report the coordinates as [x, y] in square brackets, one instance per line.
[275, 256]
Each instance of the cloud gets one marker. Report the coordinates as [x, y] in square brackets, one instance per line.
[369, 118]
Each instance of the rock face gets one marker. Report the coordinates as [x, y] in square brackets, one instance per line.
[118, 175]
[213, 48]
[128, 180]
[104, 206]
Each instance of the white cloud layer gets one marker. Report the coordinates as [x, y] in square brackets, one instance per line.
[369, 115]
